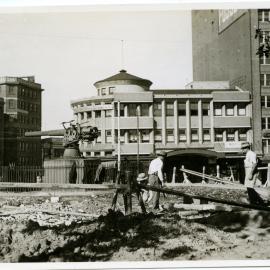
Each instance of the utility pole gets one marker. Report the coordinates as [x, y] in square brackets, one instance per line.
[138, 140]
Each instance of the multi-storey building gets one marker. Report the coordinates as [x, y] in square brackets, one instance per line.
[225, 48]
[22, 110]
[196, 125]
[1, 131]
[52, 148]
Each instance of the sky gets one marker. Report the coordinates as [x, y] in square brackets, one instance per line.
[69, 51]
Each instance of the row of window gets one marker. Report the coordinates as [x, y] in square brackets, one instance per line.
[28, 106]
[25, 146]
[131, 136]
[25, 119]
[98, 154]
[230, 109]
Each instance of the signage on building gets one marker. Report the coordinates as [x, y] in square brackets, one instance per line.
[95, 107]
[232, 145]
[227, 16]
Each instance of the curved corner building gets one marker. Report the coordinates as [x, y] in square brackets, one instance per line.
[197, 125]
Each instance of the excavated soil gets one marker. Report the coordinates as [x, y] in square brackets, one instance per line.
[110, 236]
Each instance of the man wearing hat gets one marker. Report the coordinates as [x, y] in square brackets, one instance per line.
[142, 179]
[250, 164]
[156, 178]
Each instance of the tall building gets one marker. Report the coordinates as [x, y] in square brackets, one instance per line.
[225, 48]
[22, 112]
[196, 126]
[1, 131]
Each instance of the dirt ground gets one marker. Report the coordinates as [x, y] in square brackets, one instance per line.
[111, 236]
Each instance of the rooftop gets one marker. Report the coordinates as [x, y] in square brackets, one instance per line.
[124, 76]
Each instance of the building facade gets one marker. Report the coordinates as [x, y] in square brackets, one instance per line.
[207, 119]
[225, 48]
[22, 112]
[1, 131]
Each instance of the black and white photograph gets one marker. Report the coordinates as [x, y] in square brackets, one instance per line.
[134, 132]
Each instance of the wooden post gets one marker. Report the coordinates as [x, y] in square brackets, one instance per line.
[186, 180]
[173, 176]
[268, 176]
[129, 192]
[203, 178]
[218, 172]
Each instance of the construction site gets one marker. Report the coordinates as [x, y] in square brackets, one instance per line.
[43, 220]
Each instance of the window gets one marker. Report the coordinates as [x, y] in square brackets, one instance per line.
[11, 104]
[264, 124]
[264, 60]
[193, 109]
[132, 109]
[262, 79]
[132, 136]
[263, 15]
[98, 139]
[122, 110]
[158, 135]
[144, 109]
[108, 153]
[230, 135]
[111, 90]
[218, 135]
[206, 135]
[145, 135]
[229, 109]
[241, 109]
[108, 136]
[157, 109]
[11, 89]
[265, 79]
[263, 36]
[205, 109]
[182, 135]
[181, 109]
[89, 115]
[170, 135]
[218, 109]
[265, 101]
[242, 135]
[108, 113]
[194, 135]
[122, 136]
[82, 116]
[98, 91]
[169, 109]
[103, 91]
[98, 114]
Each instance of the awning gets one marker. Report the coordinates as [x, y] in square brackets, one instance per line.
[198, 152]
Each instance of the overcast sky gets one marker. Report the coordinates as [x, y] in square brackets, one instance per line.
[68, 52]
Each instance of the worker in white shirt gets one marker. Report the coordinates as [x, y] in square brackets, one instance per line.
[250, 164]
[156, 177]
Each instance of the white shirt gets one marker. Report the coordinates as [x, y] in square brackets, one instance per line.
[156, 165]
[251, 159]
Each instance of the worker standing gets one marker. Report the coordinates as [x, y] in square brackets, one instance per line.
[156, 177]
[250, 164]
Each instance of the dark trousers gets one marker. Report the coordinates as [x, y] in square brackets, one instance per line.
[154, 181]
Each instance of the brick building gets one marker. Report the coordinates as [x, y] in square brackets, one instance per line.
[1, 131]
[22, 112]
[196, 126]
[224, 48]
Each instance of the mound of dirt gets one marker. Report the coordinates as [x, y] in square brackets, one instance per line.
[115, 237]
